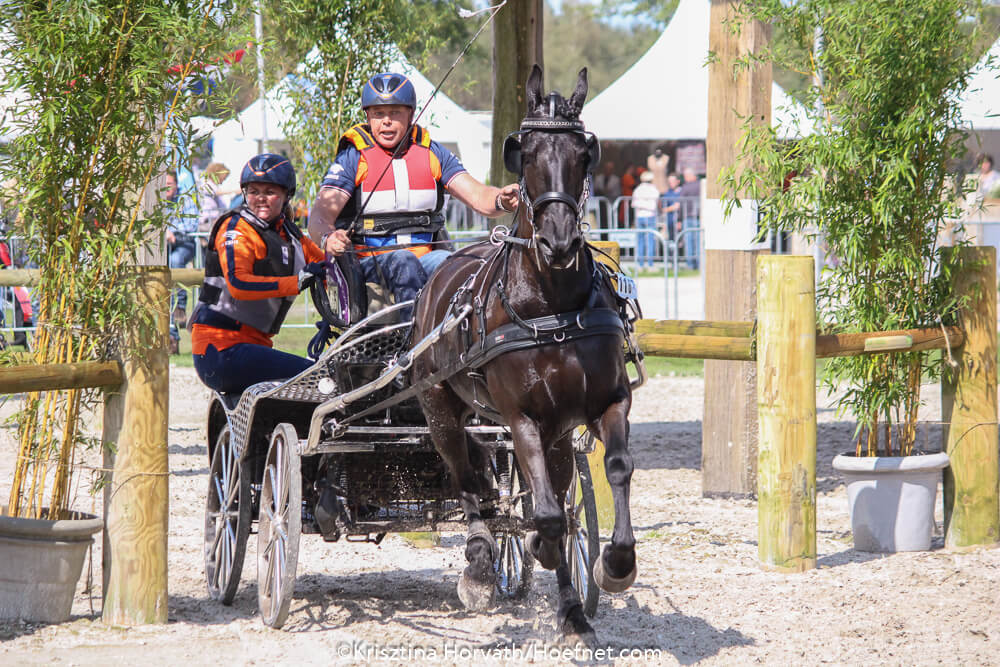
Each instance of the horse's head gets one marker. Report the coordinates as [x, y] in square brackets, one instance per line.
[553, 156]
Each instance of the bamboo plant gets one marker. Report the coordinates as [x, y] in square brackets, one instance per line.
[869, 181]
[99, 90]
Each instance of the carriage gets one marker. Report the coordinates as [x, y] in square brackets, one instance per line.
[278, 447]
[517, 341]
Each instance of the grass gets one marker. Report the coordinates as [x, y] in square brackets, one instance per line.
[683, 272]
[293, 340]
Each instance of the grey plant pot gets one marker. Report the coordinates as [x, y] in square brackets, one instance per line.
[40, 565]
[891, 499]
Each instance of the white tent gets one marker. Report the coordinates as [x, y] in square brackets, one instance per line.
[981, 102]
[664, 95]
[236, 141]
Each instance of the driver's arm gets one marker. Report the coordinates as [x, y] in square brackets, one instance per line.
[482, 198]
[323, 217]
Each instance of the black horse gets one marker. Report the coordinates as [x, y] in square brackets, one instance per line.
[564, 366]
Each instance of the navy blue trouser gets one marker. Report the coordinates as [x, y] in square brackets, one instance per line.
[235, 368]
[402, 271]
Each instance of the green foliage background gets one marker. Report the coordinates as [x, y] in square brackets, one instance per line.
[872, 180]
[97, 104]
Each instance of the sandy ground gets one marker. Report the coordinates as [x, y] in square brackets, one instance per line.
[700, 597]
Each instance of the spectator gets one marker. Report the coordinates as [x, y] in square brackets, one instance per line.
[644, 206]
[607, 184]
[658, 163]
[182, 222]
[211, 197]
[670, 206]
[989, 178]
[629, 181]
[690, 195]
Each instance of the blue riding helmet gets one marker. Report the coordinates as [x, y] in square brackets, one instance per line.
[269, 168]
[388, 88]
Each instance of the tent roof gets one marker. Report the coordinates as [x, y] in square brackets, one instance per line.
[664, 95]
[981, 102]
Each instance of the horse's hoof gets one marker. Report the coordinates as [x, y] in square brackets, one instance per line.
[574, 629]
[477, 596]
[612, 584]
[546, 557]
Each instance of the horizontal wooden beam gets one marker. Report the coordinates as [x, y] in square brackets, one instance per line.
[732, 348]
[18, 277]
[187, 277]
[29, 277]
[695, 328]
[46, 377]
[853, 344]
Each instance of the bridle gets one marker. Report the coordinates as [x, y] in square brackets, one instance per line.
[513, 161]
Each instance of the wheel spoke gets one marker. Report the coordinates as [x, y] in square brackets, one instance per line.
[278, 572]
[580, 563]
[282, 477]
[226, 472]
[219, 493]
[225, 561]
[269, 571]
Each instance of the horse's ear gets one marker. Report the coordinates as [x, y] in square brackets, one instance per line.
[579, 95]
[534, 88]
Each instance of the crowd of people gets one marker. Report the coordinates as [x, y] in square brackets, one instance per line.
[660, 199]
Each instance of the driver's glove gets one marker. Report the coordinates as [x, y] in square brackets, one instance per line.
[310, 272]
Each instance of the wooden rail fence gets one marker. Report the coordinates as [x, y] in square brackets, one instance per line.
[783, 343]
[135, 455]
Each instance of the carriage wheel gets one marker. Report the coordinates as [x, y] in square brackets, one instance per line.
[583, 543]
[227, 520]
[514, 563]
[279, 527]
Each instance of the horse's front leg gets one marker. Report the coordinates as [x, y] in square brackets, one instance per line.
[548, 515]
[477, 585]
[615, 570]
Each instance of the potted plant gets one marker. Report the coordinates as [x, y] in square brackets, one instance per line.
[871, 185]
[93, 94]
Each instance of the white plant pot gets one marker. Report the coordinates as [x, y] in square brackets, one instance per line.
[891, 499]
[40, 565]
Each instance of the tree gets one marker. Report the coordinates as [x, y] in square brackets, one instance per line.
[519, 28]
[873, 179]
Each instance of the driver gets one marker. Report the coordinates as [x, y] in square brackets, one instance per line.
[404, 191]
[257, 263]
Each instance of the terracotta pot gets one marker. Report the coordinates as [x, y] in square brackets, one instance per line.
[891, 499]
[40, 565]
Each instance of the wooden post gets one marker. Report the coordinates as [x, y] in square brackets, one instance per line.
[969, 411]
[517, 45]
[729, 422]
[136, 512]
[786, 397]
[729, 425]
